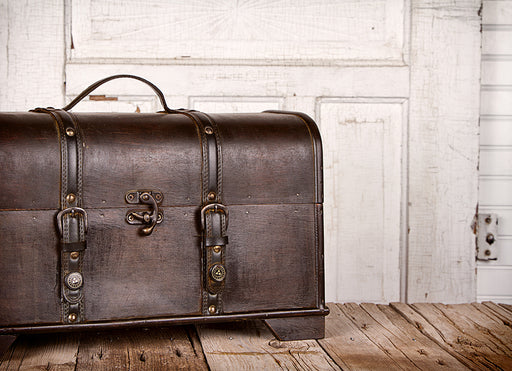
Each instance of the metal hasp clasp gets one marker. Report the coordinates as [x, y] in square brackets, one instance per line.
[149, 218]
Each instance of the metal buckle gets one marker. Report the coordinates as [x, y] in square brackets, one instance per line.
[216, 208]
[71, 210]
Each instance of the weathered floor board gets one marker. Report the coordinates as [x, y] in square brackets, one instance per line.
[250, 345]
[475, 336]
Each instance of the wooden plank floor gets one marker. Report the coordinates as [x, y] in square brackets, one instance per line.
[358, 337]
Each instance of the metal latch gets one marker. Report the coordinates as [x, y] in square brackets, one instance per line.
[149, 218]
[486, 242]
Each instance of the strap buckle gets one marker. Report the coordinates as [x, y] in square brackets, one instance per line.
[216, 208]
[71, 210]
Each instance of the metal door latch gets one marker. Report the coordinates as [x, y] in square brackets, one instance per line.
[149, 218]
[486, 242]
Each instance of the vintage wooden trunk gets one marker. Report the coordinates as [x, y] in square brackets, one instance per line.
[117, 220]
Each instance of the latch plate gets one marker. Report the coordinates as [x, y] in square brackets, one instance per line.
[148, 217]
[487, 237]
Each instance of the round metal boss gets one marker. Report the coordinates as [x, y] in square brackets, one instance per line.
[218, 272]
[74, 280]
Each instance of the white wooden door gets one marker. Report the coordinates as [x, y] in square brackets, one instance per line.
[494, 278]
[377, 76]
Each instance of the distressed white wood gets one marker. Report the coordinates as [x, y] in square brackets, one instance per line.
[31, 54]
[496, 130]
[497, 70]
[496, 100]
[235, 104]
[489, 278]
[495, 191]
[227, 30]
[496, 12]
[496, 161]
[443, 155]
[497, 40]
[214, 80]
[362, 169]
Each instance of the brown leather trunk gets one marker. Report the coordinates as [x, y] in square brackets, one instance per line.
[110, 220]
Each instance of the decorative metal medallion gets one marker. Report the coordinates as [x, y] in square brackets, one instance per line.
[74, 280]
[218, 272]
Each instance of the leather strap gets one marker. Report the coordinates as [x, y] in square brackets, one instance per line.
[71, 220]
[214, 215]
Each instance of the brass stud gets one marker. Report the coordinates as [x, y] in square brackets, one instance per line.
[211, 196]
[208, 130]
[74, 255]
[212, 309]
[218, 273]
[70, 132]
[216, 249]
[70, 198]
[145, 197]
[72, 317]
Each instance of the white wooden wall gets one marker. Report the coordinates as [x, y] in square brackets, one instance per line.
[494, 278]
[393, 84]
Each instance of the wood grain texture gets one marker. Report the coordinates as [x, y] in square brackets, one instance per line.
[358, 337]
[464, 337]
[500, 309]
[443, 156]
[422, 351]
[33, 54]
[174, 348]
[349, 346]
[55, 352]
[251, 346]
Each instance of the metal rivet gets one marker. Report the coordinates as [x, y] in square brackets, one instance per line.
[74, 280]
[212, 309]
[130, 218]
[70, 132]
[145, 197]
[72, 317]
[488, 220]
[74, 255]
[208, 130]
[487, 252]
[211, 196]
[70, 198]
[216, 249]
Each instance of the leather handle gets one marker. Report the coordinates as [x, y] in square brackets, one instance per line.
[92, 87]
